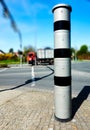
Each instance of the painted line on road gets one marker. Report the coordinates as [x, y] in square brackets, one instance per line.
[33, 76]
[3, 69]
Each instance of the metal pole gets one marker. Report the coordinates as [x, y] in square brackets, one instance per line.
[21, 55]
[62, 62]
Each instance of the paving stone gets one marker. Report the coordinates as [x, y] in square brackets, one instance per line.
[34, 110]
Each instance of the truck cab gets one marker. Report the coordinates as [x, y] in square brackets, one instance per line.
[31, 57]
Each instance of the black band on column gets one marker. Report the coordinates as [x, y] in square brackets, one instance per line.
[61, 25]
[62, 81]
[62, 53]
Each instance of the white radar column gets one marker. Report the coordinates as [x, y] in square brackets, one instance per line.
[62, 62]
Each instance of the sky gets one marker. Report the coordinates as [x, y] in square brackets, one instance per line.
[34, 18]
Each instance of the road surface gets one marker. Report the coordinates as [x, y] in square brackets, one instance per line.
[42, 77]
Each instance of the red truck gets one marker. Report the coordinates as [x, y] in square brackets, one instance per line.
[31, 57]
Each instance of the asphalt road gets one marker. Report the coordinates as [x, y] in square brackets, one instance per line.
[80, 76]
[42, 77]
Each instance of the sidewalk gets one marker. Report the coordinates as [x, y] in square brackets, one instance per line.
[33, 109]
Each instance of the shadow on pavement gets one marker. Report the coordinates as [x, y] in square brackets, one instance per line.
[29, 81]
[77, 102]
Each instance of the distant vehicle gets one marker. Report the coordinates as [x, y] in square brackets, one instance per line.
[31, 57]
[45, 56]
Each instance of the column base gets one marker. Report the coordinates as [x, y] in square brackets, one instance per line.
[63, 120]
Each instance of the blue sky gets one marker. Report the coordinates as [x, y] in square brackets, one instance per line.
[34, 18]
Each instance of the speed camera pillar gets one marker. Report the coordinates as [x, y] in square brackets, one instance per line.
[62, 62]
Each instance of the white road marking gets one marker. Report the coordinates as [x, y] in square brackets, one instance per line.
[33, 76]
[3, 69]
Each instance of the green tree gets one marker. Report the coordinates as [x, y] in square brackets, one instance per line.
[83, 53]
[28, 49]
[47, 48]
[84, 49]
[11, 50]
[72, 50]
